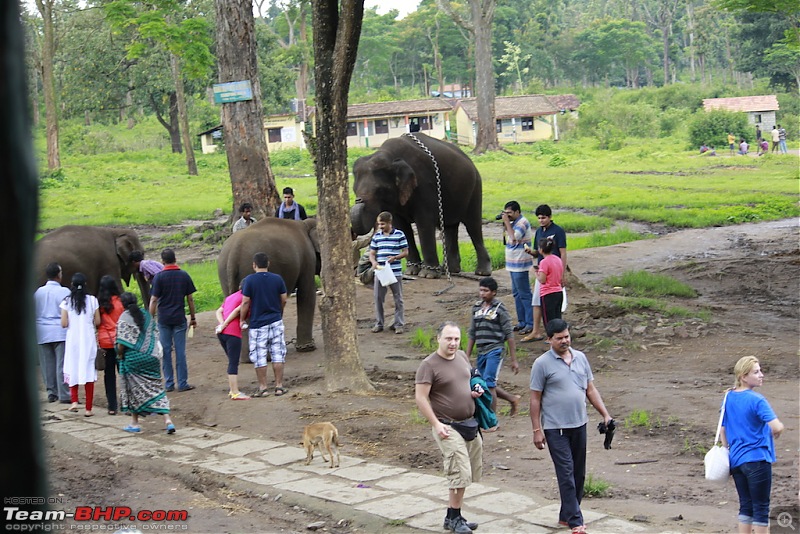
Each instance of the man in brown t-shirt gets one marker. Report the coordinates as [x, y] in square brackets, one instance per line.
[444, 397]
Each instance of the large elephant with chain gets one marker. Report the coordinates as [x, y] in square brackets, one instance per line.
[431, 183]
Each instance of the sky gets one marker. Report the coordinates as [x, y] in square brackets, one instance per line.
[403, 6]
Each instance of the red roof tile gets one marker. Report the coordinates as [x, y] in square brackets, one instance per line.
[743, 103]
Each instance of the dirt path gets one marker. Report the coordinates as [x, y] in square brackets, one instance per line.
[675, 369]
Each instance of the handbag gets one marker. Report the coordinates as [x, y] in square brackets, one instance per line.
[467, 428]
[717, 459]
[100, 359]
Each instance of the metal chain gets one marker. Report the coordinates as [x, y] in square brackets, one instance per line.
[445, 266]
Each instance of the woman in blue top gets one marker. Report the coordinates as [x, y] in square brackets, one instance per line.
[749, 427]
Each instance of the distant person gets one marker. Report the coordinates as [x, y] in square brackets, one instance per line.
[518, 264]
[763, 146]
[80, 315]
[139, 354]
[110, 310]
[732, 143]
[246, 209]
[50, 335]
[776, 139]
[710, 152]
[171, 287]
[443, 395]
[149, 268]
[229, 333]
[547, 228]
[561, 383]
[749, 429]
[782, 139]
[490, 328]
[388, 245]
[758, 131]
[289, 209]
[703, 148]
[263, 301]
[743, 147]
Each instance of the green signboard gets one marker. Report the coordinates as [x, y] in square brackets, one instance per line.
[225, 93]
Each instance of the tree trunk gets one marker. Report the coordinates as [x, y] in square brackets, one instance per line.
[336, 35]
[243, 122]
[482, 15]
[48, 84]
[183, 114]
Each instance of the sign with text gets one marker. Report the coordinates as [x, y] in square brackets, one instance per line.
[225, 93]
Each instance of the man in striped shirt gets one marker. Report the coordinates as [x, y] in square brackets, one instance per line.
[388, 245]
[519, 263]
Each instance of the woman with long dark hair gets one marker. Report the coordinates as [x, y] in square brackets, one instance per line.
[139, 354]
[80, 315]
[110, 310]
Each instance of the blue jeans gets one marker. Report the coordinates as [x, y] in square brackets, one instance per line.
[488, 365]
[753, 484]
[782, 146]
[168, 333]
[521, 289]
[567, 448]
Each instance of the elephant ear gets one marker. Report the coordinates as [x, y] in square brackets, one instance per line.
[313, 235]
[406, 180]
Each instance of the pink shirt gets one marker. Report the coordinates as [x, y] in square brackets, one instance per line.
[231, 303]
[554, 269]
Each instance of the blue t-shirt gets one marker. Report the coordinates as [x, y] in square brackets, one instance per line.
[171, 286]
[559, 239]
[386, 246]
[745, 421]
[264, 290]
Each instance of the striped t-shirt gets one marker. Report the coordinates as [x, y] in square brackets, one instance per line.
[386, 246]
[517, 260]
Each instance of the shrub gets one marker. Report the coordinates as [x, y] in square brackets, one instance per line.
[713, 127]
[594, 487]
[286, 157]
[644, 284]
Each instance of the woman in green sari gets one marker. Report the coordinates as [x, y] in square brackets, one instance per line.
[139, 354]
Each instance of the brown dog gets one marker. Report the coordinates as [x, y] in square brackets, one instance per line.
[317, 435]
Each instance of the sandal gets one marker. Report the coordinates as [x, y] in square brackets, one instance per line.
[579, 530]
[170, 428]
[261, 393]
[280, 391]
[112, 412]
[239, 396]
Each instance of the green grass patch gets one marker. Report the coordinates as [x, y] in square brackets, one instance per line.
[595, 487]
[604, 239]
[651, 304]
[417, 418]
[425, 339]
[645, 284]
[642, 418]
[209, 293]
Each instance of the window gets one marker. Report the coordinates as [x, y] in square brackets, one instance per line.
[273, 135]
[527, 124]
[352, 129]
[757, 118]
[499, 125]
[423, 122]
[382, 126]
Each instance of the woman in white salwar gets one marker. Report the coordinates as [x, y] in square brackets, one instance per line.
[80, 315]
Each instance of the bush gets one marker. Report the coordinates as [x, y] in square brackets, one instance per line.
[610, 121]
[286, 157]
[712, 127]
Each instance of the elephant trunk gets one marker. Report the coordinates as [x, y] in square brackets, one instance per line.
[360, 221]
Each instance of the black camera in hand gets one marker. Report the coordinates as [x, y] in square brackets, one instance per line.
[498, 217]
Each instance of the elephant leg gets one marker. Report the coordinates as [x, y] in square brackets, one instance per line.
[413, 261]
[430, 256]
[244, 356]
[306, 305]
[484, 263]
[451, 249]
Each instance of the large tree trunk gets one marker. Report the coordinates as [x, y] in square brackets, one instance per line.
[48, 83]
[336, 34]
[24, 471]
[482, 15]
[183, 114]
[171, 126]
[243, 122]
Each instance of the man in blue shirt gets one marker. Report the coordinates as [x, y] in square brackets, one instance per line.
[388, 245]
[263, 300]
[50, 335]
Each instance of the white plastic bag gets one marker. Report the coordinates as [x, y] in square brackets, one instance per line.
[717, 460]
[563, 299]
[385, 275]
[717, 463]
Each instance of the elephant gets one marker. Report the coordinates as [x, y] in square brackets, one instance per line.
[400, 178]
[293, 250]
[94, 251]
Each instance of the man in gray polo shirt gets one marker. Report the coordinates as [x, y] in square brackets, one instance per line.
[561, 381]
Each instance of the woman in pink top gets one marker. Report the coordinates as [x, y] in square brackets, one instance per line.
[551, 269]
[229, 334]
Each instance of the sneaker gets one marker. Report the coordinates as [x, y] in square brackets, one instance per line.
[188, 387]
[459, 525]
[170, 428]
[52, 398]
[170, 389]
[376, 329]
[240, 396]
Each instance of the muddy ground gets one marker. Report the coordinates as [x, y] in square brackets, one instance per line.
[675, 368]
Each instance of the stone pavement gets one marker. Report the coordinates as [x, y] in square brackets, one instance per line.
[398, 495]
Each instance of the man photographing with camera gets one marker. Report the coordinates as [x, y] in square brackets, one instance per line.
[518, 263]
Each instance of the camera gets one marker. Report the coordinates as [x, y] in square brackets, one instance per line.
[498, 217]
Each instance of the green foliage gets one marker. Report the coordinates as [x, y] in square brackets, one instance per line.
[605, 239]
[287, 157]
[209, 292]
[425, 339]
[645, 284]
[660, 306]
[595, 487]
[417, 418]
[639, 418]
[714, 126]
